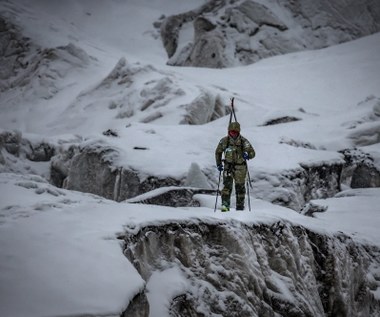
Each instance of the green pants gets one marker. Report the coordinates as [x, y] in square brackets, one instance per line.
[231, 174]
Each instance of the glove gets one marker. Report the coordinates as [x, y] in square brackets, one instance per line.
[220, 168]
[245, 156]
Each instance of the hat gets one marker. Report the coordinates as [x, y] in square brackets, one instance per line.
[234, 126]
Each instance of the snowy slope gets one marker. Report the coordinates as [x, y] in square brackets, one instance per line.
[59, 254]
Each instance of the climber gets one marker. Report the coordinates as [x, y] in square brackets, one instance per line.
[237, 150]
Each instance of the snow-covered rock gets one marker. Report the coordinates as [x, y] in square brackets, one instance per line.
[295, 188]
[173, 196]
[205, 108]
[243, 32]
[359, 170]
[196, 178]
[91, 168]
[95, 166]
[40, 72]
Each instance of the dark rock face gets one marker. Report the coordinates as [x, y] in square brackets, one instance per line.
[281, 120]
[13, 49]
[60, 166]
[37, 151]
[264, 270]
[138, 307]
[229, 33]
[11, 141]
[322, 181]
[90, 171]
[359, 170]
[42, 152]
[365, 176]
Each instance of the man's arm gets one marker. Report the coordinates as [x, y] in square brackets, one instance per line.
[247, 146]
[219, 152]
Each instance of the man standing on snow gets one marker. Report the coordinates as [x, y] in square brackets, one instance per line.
[237, 150]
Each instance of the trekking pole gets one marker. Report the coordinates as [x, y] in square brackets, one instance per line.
[249, 184]
[249, 178]
[249, 199]
[217, 192]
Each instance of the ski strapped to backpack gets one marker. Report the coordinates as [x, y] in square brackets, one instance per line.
[232, 110]
[232, 114]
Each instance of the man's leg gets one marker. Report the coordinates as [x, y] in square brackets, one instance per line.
[240, 196]
[226, 192]
[240, 190]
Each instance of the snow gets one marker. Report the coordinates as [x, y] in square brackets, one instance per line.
[59, 250]
[361, 205]
[60, 254]
[160, 297]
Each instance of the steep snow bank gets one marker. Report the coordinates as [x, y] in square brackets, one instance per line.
[62, 246]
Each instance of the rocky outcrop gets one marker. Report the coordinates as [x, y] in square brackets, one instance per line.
[18, 151]
[170, 26]
[208, 48]
[295, 188]
[13, 50]
[205, 108]
[280, 120]
[38, 70]
[148, 103]
[11, 142]
[138, 307]
[243, 32]
[359, 170]
[233, 269]
[42, 152]
[91, 169]
[172, 196]
[320, 181]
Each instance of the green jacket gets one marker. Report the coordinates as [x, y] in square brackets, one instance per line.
[233, 150]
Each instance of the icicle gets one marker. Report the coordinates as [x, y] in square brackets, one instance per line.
[116, 189]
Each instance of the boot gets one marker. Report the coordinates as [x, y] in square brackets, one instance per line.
[225, 203]
[224, 208]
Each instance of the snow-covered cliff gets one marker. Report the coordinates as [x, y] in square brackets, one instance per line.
[235, 269]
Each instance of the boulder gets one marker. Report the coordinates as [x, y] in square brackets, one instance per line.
[91, 168]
